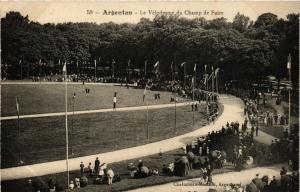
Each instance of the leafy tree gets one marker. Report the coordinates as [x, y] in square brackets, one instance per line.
[248, 47]
[265, 20]
[241, 22]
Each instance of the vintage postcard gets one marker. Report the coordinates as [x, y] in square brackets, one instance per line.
[183, 96]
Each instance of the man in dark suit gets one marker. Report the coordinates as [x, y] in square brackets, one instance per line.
[97, 165]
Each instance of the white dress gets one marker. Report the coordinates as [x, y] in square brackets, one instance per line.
[101, 170]
[110, 173]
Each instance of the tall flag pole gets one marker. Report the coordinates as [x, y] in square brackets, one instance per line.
[113, 70]
[144, 99]
[145, 69]
[59, 67]
[206, 88]
[114, 122]
[40, 65]
[172, 71]
[193, 84]
[289, 66]
[95, 63]
[184, 71]
[66, 122]
[128, 67]
[115, 102]
[84, 67]
[217, 79]
[77, 68]
[19, 131]
[21, 69]
[195, 73]
[212, 81]
[100, 62]
[175, 101]
[74, 96]
[156, 67]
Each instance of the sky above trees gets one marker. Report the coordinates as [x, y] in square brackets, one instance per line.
[58, 12]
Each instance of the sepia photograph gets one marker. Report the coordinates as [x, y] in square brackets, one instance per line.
[149, 96]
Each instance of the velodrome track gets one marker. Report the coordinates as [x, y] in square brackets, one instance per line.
[233, 111]
[243, 177]
[96, 111]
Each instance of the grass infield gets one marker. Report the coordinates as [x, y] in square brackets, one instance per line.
[50, 98]
[43, 139]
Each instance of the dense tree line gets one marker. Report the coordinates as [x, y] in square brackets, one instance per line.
[242, 49]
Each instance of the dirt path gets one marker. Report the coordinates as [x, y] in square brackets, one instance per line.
[243, 177]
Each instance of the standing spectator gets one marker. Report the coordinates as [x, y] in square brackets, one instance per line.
[207, 150]
[286, 119]
[283, 171]
[97, 164]
[252, 130]
[196, 107]
[90, 169]
[81, 167]
[275, 118]
[256, 179]
[246, 123]
[200, 150]
[140, 165]
[265, 120]
[274, 184]
[209, 175]
[110, 176]
[256, 131]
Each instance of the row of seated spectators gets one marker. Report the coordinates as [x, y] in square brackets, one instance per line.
[287, 182]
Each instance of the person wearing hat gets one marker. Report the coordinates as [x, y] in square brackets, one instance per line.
[283, 171]
[256, 179]
[81, 167]
[97, 164]
[209, 175]
[140, 165]
[90, 169]
[29, 187]
[273, 184]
